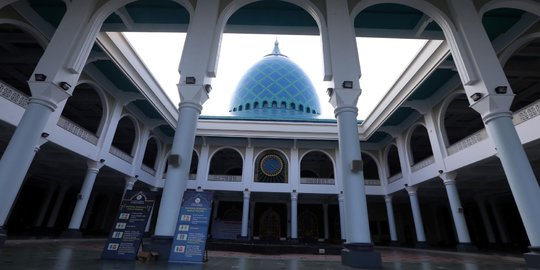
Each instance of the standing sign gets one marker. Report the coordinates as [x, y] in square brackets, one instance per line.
[128, 229]
[192, 227]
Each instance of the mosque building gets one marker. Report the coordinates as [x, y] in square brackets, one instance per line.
[449, 158]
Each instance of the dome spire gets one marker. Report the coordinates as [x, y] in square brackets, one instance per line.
[276, 51]
[276, 48]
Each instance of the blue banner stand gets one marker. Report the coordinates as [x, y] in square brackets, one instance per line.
[189, 242]
[126, 234]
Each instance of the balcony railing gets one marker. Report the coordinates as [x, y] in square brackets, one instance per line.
[317, 181]
[395, 177]
[13, 95]
[147, 169]
[372, 182]
[422, 164]
[225, 178]
[467, 142]
[77, 130]
[120, 154]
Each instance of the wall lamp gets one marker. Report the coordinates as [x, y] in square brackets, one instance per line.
[347, 84]
[102, 160]
[65, 85]
[44, 135]
[406, 185]
[207, 88]
[476, 96]
[190, 80]
[330, 91]
[501, 89]
[136, 176]
[40, 77]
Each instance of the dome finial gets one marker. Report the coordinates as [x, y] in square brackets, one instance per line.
[276, 50]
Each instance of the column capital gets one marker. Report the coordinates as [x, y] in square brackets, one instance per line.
[47, 93]
[294, 196]
[493, 106]
[412, 190]
[247, 194]
[193, 95]
[448, 178]
[94, 166]
[388, 198]
[130, 182]
[341, 197]
[344, 99]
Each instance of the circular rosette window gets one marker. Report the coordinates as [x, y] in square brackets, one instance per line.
[271, 168]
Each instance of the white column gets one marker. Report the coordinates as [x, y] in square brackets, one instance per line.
[216, 209]
[495, 111]
[21, 151]
[130, 182]
[57, 205]
[89, 210]
[45, 206]
[84, 195]
[391, 220]
[294, 169]
[245, 215]
[342, 226]
[202, 167]
[247, 170]
[417, 216]
[149, 222]
[252, 215]
[325, 221]
[294, 215]
[460, 224]
[485, 219]
[193, 93]
[288, 220]
[499, 220]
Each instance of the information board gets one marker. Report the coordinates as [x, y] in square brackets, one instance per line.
[128, 229]
[189, 241]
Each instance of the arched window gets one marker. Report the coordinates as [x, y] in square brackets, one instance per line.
[394, 167]
[124, 137]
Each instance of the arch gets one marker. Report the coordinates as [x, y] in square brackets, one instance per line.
[368, 173]
[391, 157]
[194, 164]
[308, 225]
[525, 5]
[126, 143]
[317, 169]
[293, 106]
[301, 107]
[283, 105]
[461, 58]
[77, 61]
[240, 108]
[516, 45]
[274, 104]
[265, 104]
[223, 159]
[36, 34]
[106, 104]
[256, 105]
[308, 6]
[248, 107]
[444, 106]
[413, 142]
[86, 108]
[474, 124]
[151, 152]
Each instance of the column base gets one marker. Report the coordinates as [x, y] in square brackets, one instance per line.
[161, 245]
[466, 247]
[394, 244]
[71, 233]
[532, 259]
[3, 236]
[422, 245]
[242, 238]
[360, 255]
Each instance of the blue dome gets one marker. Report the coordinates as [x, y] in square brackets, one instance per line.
[275, 87]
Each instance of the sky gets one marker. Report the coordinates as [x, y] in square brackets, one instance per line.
[381, 61]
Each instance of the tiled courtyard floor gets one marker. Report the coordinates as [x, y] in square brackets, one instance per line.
[84, 254]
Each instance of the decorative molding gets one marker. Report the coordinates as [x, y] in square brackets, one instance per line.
[467, 142]
[317, 181]
[120, 154]
[77, 130]
[395, 177]
[147, 169]
[529, 112]
[13, 95]
[422, 164]
[225, 178]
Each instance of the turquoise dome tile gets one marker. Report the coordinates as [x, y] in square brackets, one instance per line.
[275, 79]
